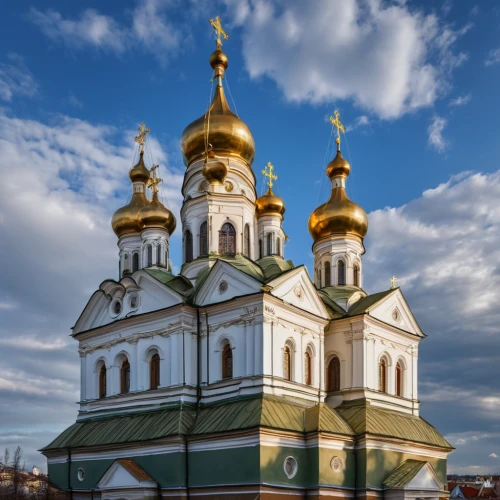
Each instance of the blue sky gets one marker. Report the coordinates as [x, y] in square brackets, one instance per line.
[417, 87]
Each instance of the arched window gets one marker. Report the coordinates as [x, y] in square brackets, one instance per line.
[246, 241]
[399, 379]
[135, 262]
[166, 258]
[340, 272]
[278, 246]
[308, 368]
[382, 375]
[188, 245]
[328, 274]
[227, 240]
[203, 239]
[287, 363]
[102, 382]
[149, 250]
[333, 375]
[154, 371]
[355, 271]
[125, 377]
[269, 243]
[158, 255]
[261, 252]
[227, 362]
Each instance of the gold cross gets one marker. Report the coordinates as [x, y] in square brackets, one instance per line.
[268, 172]
[219, 30]
[336, 123]
[154, 181]
[393, 282]
[140, 138]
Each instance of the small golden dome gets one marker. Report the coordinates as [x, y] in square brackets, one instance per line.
[214, 169]
[339, 215]
[269, 204]
[227, 135]
[339, 166]
[156, 215]
[139, 172]
[124, 220]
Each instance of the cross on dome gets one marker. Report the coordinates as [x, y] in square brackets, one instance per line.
[268, 172]
[154, 180]
[140, 138]
[337, 123]
[219, 30]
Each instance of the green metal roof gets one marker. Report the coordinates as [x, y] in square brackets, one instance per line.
[179, 284]
[364, 305]
[367, 419]
[322, 418]
[341, 292]
[273, 266]
[403, 475]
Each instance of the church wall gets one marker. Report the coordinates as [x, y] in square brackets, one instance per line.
[327, 476]
[272, 460]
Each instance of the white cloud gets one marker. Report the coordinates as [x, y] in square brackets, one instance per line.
[493, 455]
[493, 57]
[388, 58]
[16, 79]
[435, 131]
[361, 121]
[150, 30]
[461, 100]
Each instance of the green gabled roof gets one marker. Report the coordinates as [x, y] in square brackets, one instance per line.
[333, 308]
[273, 265]
[403, 475]
[366, 303]
[322, 418]
[367, 419]
[128, 428]
[245, 265]
[340, 292]
[179, 284]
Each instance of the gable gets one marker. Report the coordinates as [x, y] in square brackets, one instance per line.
[125, 474]
[394, 310]
[114, 300]
[426, 479]
[237, 284]
[295, 287]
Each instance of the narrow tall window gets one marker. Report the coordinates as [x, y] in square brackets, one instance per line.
[399, 379]
[287, 363]
[333, 375]
[278, 246]
[154, 372]
[382, 375]
[166, 258]
[158, 255]
[328, 274]
[135, 262]
[203, 239]
[307, 368]
[102, 382]
[149, 251]
[269, 243]
[125, 377]
[227, 362]
[246, 242]
[188, 246]
[261, 252]
[227, 240]
[355, 272]
[341, 272]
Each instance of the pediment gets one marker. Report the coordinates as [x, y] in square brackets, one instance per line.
[394, 310]
[225, 282]
[141, 293]
[125, 474]
[296, 288]
[426, 479]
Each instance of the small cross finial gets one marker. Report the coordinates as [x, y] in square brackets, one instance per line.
[140, 138]
[393, 282]
[217, 26]
[154, 180]
[340, 128]
[268, 172]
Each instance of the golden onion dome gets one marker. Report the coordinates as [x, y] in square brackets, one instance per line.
[139, 172]
[156, 215]
[214, 169]
[339, 215]
[219, 128]
[269, 204]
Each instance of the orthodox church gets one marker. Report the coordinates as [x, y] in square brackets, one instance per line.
[243, 377]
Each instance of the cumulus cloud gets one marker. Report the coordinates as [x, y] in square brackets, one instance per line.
[493, 57]
[435, 131]
[150, 29]
[16, 79]
[61, 181]
[388, 58]
[461, 100]
[493, 455]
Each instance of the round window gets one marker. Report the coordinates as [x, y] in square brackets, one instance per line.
[336, 464]
[395, 315]
[134, 302]
[81, 474]
[223, 286]
[290, 467]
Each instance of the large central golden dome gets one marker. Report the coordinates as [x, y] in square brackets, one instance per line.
[219, 129]
[339, 215]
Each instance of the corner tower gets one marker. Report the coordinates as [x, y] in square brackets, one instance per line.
[338, 228]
